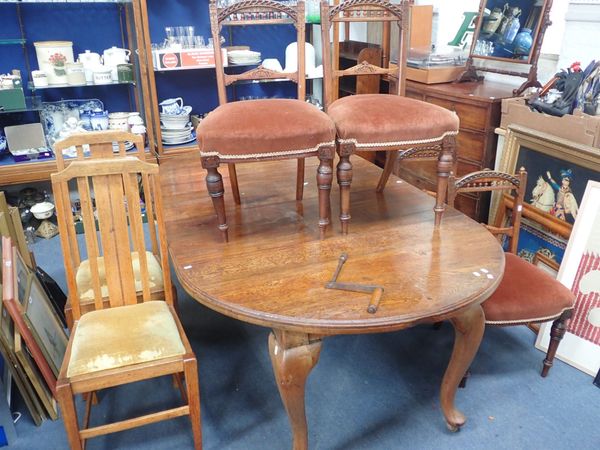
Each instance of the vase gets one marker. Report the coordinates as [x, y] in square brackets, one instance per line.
[523, 42]
[511, 31]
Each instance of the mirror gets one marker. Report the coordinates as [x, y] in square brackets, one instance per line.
[511, 31]
[508, 30]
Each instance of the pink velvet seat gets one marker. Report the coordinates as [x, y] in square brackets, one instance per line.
[379, 120]
[269, 128]
[264, 129]
[526, 293]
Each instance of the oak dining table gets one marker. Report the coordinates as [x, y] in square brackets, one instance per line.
[274, 270]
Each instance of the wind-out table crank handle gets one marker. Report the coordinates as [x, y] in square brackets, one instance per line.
[375, 290]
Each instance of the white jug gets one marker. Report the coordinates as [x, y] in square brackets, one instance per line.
[90, 61]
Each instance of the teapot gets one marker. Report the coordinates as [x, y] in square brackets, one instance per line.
[113, 56]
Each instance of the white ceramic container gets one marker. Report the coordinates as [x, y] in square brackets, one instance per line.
[102, 75]
[75, 74]
[52, 57]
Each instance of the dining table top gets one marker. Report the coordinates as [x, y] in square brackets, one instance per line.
[274, 269]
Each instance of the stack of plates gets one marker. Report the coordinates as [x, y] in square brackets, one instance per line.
[176, 128]
[128, 146]
[243, 57]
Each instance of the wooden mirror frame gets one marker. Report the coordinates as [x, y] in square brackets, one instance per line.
[544, 22]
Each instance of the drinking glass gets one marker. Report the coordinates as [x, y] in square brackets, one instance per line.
[199, 42]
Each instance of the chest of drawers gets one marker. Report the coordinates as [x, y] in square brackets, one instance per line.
[478, 107]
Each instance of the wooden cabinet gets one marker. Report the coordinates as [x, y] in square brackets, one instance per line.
[478, 107]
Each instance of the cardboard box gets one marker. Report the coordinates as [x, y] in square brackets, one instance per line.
[434, 75]
[577, 127]
[12, 98]
[186, 59]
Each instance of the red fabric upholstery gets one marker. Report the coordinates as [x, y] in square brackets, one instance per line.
[379, 118]
[526, 294]
[260, 127]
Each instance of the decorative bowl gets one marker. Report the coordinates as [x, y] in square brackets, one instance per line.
[42, 210]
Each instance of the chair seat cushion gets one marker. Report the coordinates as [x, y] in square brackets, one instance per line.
[123, 336]
[254, 129]
[371, 119]
[84, 276]
[526, 294]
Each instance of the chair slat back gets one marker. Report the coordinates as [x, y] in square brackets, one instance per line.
[489, 181]
[257, 12]
[117, 185]
[349, 11]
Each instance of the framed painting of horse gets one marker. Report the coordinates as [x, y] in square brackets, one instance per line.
[558, 170]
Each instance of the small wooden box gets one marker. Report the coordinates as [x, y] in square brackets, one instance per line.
[434, 75]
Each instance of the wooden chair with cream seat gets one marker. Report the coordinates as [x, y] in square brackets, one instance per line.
[94, 145]
[125, 340]
[264, 129]
[403, 127]
[526, 294]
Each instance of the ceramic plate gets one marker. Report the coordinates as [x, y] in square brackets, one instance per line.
[182, 141]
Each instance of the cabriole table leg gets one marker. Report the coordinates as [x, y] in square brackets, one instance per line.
[468, 327]
[293, 356]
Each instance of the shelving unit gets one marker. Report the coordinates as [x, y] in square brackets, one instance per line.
[117, 23]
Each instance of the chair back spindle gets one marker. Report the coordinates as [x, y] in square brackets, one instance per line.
[117, 187]
[489, 181]
[257, 12]
[349, 11]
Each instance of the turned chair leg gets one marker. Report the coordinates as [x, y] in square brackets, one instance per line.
[324, 181]
[559, 327]
[390, 162]
[444, 167]
[233, 181]
[214, 184]
[344, 178]
[300, 179]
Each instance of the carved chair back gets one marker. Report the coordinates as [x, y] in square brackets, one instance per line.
[488, 181]
[99, 144]
[349, 11]
[257, 12]
[119, 185]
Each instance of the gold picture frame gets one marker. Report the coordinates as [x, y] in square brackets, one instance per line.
[545, 152]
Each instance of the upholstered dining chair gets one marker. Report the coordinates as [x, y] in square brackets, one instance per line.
[403, 127]
[123, 341]
[526, 293]
[264, 129]
[94, 145]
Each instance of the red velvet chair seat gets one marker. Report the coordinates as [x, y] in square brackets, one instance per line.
[526, 294]
[266, 128]
[387, 119]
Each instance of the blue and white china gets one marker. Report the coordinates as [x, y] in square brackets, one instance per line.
[54, 114]
[3, 145]
[172, 106]
[99, 119]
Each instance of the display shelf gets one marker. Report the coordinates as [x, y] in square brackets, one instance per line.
[12, 41]
[62, 86]
[31, 104]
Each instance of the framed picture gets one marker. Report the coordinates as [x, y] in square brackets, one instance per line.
[24, 277]
[558, 170]
[580, 271]
[546, 263]
[542, 238]
[35, 378]
[45, 325]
